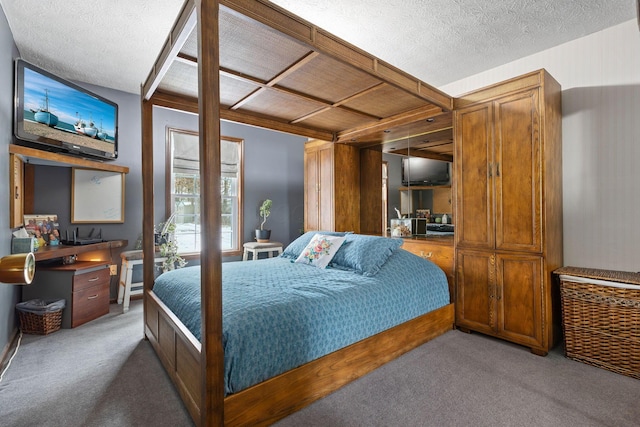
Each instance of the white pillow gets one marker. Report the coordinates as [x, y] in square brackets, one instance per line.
[320, 250]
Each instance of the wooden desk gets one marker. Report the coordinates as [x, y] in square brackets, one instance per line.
[84, 286]
[82, 251]
[107, 252]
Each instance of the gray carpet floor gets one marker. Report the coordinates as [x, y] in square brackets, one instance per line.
[104, 374]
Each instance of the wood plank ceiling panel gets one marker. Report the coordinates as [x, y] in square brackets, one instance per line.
[233, 90]
[254, 49]
[384, 101]
[181, 79]
[335, 119]
[328, 79]
[279, 104]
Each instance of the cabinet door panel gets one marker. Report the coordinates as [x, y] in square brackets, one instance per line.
[16, 191]
[517, 173]
[475, 287]
[326, 193]
[474, 153]
[311, 193]
[519, 298]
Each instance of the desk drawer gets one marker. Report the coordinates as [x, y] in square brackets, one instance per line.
[441, 255]
[90, 303]
[90, 279]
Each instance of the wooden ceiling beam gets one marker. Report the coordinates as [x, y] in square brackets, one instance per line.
[421, 113]
[184, 25]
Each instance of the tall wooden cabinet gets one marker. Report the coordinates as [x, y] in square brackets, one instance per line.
[331, 187]
[508, 204]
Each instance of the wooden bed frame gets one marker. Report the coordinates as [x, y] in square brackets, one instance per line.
[271, 400]
[311, 84]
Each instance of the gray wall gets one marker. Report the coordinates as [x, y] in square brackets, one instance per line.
[53, 184]
[273, 169]
[600, 78]
[9, 294]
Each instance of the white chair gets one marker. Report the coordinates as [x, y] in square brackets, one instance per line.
[125, 287]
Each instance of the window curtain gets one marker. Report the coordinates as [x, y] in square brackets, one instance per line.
[186, 153]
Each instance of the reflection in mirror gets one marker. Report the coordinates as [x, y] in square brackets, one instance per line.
[417, 186]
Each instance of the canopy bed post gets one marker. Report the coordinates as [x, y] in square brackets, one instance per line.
[212, 355]
[147, 198]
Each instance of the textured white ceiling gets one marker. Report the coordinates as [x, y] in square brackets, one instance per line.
[113, 43]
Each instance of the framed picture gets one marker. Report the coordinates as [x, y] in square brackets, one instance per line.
[97, 196]
[44, 228]
[423, 213]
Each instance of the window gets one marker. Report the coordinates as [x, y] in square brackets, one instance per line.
[183, 190]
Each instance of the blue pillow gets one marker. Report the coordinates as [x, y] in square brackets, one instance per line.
[364, 254]
[296, 247]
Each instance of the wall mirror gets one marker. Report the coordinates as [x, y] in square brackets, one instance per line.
[427, 147]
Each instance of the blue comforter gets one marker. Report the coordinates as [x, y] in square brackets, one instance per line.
[278, 314]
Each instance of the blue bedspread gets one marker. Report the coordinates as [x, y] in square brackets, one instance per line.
[278, 314]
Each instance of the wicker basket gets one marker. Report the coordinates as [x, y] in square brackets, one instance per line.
[601, 322]
[39, 316]
[40, 324]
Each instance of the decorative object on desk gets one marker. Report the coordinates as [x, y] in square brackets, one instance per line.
[21, 245]
[401, 227]
[423, 213]
[18, 269]
[22, 242]
[262, 235]
[69, 259]
[43, 227]
[445, 219]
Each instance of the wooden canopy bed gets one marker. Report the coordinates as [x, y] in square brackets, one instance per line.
[252, 62]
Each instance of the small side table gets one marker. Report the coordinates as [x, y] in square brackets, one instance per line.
[125, 291]
[255, 248]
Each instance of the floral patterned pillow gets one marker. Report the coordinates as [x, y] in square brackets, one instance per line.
[320, 250]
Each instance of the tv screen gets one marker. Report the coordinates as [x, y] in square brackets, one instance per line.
[57, 115]
[419, 171]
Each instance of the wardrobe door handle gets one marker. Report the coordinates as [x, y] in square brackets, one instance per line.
[93, 296]
[490, 170]
[498, 169]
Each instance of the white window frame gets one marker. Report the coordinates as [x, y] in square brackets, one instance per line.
[231, 243]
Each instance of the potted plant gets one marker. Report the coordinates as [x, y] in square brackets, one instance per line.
[164, 240]
[262, 235]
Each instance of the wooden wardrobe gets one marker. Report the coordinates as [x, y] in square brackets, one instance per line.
[508, 204]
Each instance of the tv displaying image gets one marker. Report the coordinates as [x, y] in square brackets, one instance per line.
[58, 115]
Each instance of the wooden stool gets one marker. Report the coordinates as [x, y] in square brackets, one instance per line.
[255, 248]
[129, 259]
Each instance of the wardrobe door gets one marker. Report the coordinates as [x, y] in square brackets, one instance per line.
[474, 181]
[519, 299]
[517, 173]
[475, 290]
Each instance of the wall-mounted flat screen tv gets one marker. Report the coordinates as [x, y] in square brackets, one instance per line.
[56, 115]
[420, 171]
